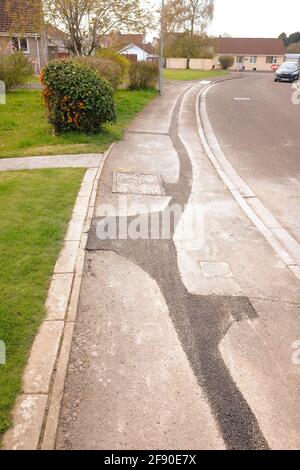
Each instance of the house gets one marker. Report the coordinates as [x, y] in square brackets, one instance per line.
[21, 28]
[117, 40]
[252, 53]
[56, 42]
[134, 46]
[139, 52]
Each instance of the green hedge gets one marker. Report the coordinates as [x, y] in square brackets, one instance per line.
[107, 69]
[77, 99]
[143, 75]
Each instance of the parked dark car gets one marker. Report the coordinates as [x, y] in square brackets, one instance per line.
[287, 72]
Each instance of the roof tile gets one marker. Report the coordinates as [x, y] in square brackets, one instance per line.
[251, 46]
[20, 16]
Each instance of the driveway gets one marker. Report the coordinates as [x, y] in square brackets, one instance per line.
[261, 139]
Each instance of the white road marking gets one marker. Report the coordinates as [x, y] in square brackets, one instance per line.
[205, 82]
[242, 99]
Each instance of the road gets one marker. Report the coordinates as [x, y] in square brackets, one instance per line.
[186, 341]
[261, 139]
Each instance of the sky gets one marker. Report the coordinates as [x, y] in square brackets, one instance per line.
[254, 18]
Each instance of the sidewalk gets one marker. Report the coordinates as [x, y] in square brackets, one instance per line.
[180, 344]
[130, 385]
[56, 161]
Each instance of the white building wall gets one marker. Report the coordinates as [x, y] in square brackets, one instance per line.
[141, 55]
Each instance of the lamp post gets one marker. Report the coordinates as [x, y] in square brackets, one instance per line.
[161, 57]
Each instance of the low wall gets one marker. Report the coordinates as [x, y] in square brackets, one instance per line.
[195, 64]
[176, 63]
[201, 64]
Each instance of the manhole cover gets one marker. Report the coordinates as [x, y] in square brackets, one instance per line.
[150, 184]
[216, 269]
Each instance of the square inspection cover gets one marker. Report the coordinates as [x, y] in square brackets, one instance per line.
[216, 269]
[147, 184]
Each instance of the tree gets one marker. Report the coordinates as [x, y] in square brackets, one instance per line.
[87, 21]
[283, 36]
[190, 16]
[181, 45]
[294, 48]
[291, 39]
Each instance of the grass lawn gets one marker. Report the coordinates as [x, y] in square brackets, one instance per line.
[35, 208]
[184, 74]
[35, 80]
[24, 130]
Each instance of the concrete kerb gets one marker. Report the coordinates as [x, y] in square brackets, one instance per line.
[36, 412]
[285, 246]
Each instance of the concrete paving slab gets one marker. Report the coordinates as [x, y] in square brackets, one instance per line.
[38, 372]
[58, 296]
[28, 418]
[157, 155]
[67, 258]
[57, 161]
[157, 116]
[75, 228]
[49, 436]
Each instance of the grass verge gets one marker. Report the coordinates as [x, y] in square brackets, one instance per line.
[184, 74]
[24, 130]
[35, 209]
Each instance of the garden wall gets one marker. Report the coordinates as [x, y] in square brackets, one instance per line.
[195, 64]
[201, 64]
[176, 63]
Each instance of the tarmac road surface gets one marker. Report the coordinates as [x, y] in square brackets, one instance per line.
[261, 139]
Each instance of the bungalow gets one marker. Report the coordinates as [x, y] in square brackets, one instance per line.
[117, 40]
[21, 28]
[252, 53]
[139, 52]
[134, 46]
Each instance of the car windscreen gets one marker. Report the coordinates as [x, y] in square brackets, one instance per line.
[289, 67]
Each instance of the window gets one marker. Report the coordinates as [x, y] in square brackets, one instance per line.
[271, 59]
[20, 44]
[253, 59]
[23, 44]
[240, 59]
[15, 43]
